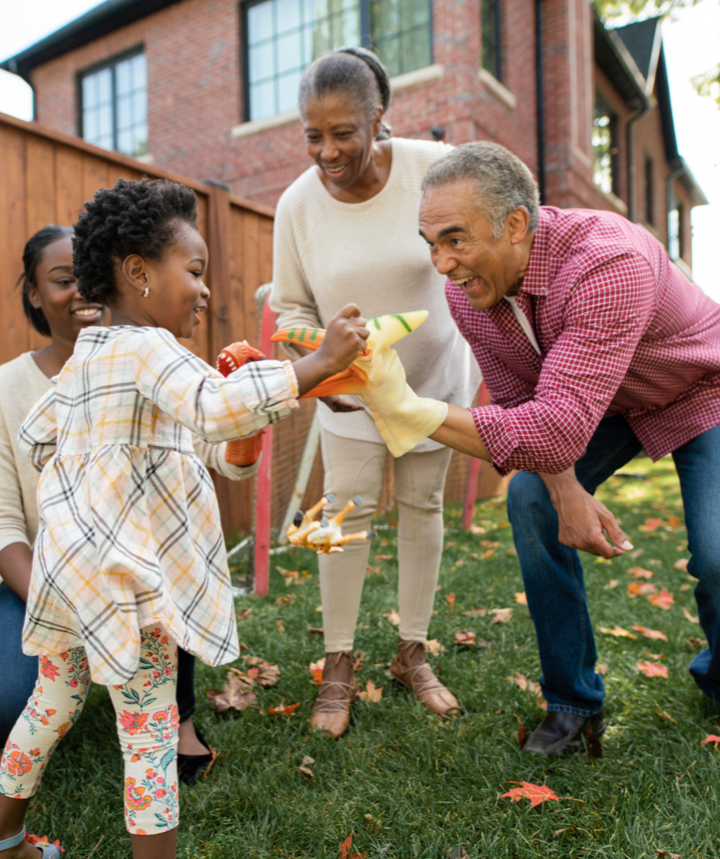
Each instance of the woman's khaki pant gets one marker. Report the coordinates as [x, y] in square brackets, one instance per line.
[356, 468]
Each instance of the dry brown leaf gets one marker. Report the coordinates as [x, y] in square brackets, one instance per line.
[305, 766]
[291, 576]
[369, 571]
[652, 669]
[476, 529]
[685, 587]
[316, 630]
[244, 614]
[601, 668]
[501, 615]
[654, 655]
[237, 694]
[284, 600]
[666, 717]
[637, 553]
[268, 673]
[393, 617]
[511, 552]
[697, 642]
[476, 612]
[384, 557]
[467, 639]
[371, 694]
[640, 573]
[521, 731]
[457, 853]
[682, 563]
[617, 631]
[521, 598]
[283, 709]
[640, 589]
[520, 680]
[690, 617]
[280, 625]
[611, 585]
[433, 646]
[451, 599]
[489, 544]
[663, 854]
[650, 525]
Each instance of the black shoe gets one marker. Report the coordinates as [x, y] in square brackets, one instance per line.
[191, 767]
[560, 733]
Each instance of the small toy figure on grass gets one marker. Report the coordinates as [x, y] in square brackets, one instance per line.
[324, 537]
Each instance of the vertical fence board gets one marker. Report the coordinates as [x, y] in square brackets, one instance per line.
[94, 176]
[68, 185]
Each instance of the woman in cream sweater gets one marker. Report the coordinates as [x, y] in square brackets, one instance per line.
[56, 310]
[346, 230]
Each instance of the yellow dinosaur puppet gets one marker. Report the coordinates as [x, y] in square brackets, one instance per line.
[403, 419]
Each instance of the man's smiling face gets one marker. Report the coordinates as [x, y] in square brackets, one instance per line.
[463, 247]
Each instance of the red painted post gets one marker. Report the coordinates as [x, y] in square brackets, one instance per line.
[473, 472]
[263, 493]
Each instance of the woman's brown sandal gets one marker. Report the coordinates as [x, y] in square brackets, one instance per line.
[331, 712]
[422, 680]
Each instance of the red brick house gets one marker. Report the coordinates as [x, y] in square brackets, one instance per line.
[208, 88]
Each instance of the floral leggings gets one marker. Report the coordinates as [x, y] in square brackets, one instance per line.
[147, 726]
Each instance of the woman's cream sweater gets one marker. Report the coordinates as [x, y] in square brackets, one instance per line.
[328, 254]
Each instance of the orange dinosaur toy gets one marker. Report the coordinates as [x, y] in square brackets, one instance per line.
[324, 537]
[244, 451]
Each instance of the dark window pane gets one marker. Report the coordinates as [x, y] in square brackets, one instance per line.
[415, 49]
[603, 144]
[489, 22]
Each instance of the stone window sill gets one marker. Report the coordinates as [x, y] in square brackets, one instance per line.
[501, 93]
[398, 83]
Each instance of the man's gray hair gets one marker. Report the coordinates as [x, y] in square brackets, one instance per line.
[502, 180]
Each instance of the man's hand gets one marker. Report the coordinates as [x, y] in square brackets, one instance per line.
[584, 521]
[338, 404]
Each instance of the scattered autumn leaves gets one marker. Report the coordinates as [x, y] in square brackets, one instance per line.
[239, 690]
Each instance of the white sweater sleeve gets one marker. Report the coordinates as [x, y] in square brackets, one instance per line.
[213, 456]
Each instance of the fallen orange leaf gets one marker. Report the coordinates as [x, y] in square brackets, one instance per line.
[502, 615]
[640, 573]
[487, 554]
[346, 847]
[681, 564]
[244, 614]
[611, 585]
[640, 589]
[711, 738]
[316, 669]
[673, 522]
[652, 669]
[476, 612]
[451, 599]
[690, 617]
[384, 557]
[283, 709]
[617, 631]
[636, 554]
[696, 642]
[280, 625]
[465, 638]
[521, 598]
[650, 525]
[371, 694]
[651, 633]
[476, 529]
[370, 570]
[433, 646]
[283, 600]
[489, 544]
[537, 794]
[662, 600]
[268, 673]
[520, 680]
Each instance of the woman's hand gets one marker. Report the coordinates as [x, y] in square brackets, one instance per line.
[338, 404]
[15, 568]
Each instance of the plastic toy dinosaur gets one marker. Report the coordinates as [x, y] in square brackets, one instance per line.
[377, 375]
[324, 537]
[243, 451]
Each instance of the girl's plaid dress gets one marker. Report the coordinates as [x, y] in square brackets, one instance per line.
[129, 525]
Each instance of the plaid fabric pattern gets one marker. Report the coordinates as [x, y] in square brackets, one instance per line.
[129, 525]
[620, 330]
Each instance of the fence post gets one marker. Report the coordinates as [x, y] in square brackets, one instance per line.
[473, 472]
[263, 509]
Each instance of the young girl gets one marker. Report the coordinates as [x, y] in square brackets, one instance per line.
[129, 560]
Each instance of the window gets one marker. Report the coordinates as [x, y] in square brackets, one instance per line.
[490, 28]
[113, 102]
[282, 38]
[675, 231]
[649, 201]
[604, 147]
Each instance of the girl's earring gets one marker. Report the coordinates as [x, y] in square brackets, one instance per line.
[145, 292]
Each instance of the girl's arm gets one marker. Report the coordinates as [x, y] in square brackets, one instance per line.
[213, 456]
[37, 438]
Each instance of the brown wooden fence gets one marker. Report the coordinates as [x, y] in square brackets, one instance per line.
[46, 177]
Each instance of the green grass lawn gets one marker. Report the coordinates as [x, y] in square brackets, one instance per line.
[408, 785]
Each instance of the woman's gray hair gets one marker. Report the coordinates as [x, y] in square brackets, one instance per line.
[502, 180]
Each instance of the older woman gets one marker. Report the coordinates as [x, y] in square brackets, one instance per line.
[346, 230]
[55, 309]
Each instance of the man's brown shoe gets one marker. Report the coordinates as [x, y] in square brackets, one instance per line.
[331, 712]
[561, 733]
[410, 667]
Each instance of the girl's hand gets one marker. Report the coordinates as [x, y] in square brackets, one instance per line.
[344, 339]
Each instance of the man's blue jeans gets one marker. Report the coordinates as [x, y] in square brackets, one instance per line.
[553, 573]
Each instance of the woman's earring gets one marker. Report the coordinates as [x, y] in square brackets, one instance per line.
[145, 292]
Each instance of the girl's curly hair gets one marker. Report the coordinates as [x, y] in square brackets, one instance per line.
[131, 218]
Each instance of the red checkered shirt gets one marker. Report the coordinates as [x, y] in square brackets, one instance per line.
[620, 330]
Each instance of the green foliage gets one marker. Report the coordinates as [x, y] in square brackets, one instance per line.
[619, 11]
[708, 84]
[408, 785]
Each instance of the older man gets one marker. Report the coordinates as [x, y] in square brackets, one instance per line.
[593, 346]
